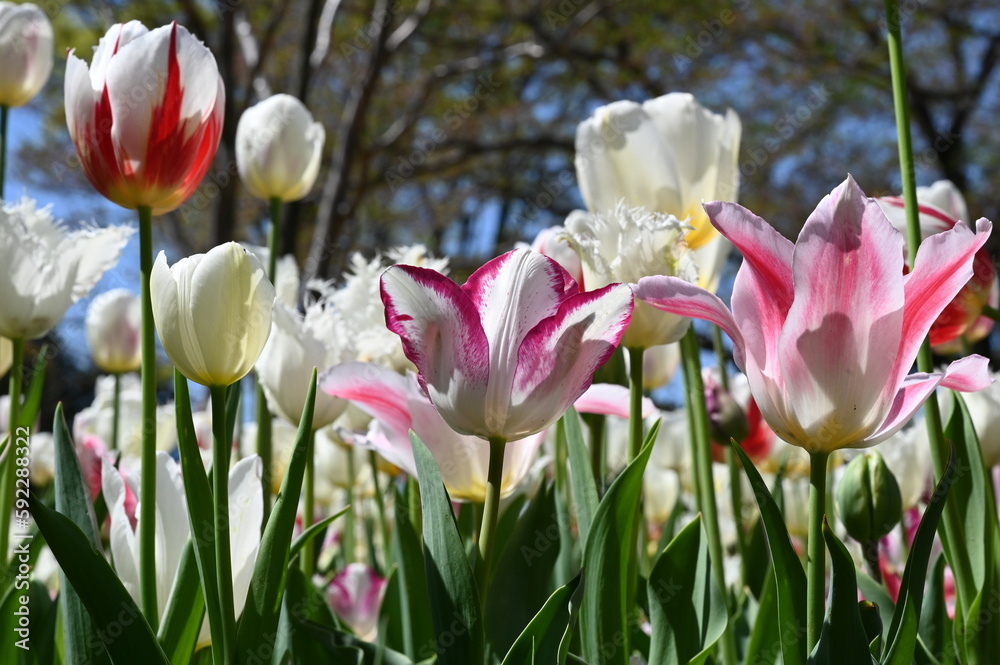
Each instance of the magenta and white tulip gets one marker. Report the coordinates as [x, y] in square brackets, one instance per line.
[355, 594]
[112, 325]
[827, 329]
[504, 355]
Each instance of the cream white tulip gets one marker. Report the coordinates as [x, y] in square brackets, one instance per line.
[286, 278]
[278, 148]
[626, 244]
[212, 313]
[286, 364]
[47, 268]
[667, 155]
[113, 322]
[25, 51]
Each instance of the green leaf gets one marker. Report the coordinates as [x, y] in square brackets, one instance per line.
[541, 638]
[199, 500]
[185, 611]
[32, 397]
[526, 563]
[871, 620]
[585, 497]
[764, 646]
[935, 626]
[256, 629]
[111, 608]
[313, 531]
[454, 599]
[73, 501]
[877, 594]
[902, 636]
[414, 612]
[604, 615]
[844, 639]
[790, 579]
[758, 564]
[687, 610]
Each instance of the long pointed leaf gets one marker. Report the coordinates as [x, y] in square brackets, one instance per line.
[454, 598]
[185, 611]
[585, 497]
[539, 642]
[260, 616]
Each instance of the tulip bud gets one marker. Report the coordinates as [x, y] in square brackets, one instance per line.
[112, 324]
[278, 148]
[25, 51]
[868, 498]
[212, 313]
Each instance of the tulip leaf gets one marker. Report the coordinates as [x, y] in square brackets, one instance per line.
[29, 609]
[413, 614]
[260, 616]
[901, 639]
[871, 620]
[199, 501]
[687, 610]
[764, 645]
[185, 611]
[844, 638]
[567, 565]
[32, 397]
[540, 640]
[111, 608]
[790, 579]
[585, 498]
[313, 531]
[526, 563]
[454, 598]
[72, 499]
[604, 614]
[935, 626]
[876, 593]
[758, 560]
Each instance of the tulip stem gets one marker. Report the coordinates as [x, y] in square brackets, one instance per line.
[308, 561]
[348, 541]
[223, 558]
[116, 410]
[635, 401]
[595, 423]
[690, 350]
[4, 109]
[491, 510]
[147, 483]
[264, 435]
[380, 507]
[940, 450]
[7, 473]
[816, 548]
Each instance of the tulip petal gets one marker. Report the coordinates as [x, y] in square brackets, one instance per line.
[557, 359]
[246, 513]
[442, 335]
[124, 547]
[172, 527]
[842, 333]
[943, 266]
[967, 375]
[376, 390]
[672, 294]
[932, 219]
[610, 399]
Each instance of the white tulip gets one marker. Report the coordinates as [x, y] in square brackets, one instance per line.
[113, 322]
[292, 351]
[278, 148]
[212, 313]
[625, 244]
[47, 268]
[667, 155]
[25, 51]
[984, 409]
[286, 281]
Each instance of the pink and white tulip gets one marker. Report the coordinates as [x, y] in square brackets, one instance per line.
[504, 355]
[827, 329]
[146, 117]
[355, 594]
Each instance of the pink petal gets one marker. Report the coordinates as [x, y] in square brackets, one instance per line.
[557, 360]
[840, 340]
[378, 391]
[967, 375]
[942, 268]
[672, 294]
[442, 335]
[914, 392]
[513, 293]
[610, 399]
[932, 219]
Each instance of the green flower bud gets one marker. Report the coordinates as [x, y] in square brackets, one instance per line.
[868, 498]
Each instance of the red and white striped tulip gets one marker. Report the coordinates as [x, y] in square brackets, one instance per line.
[827, 329]
[504, 355]
[146, 116]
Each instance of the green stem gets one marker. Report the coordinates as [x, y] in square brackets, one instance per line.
[3, 146]
[595, 423]
[7, 472]
[958, 557]
[264, 435]
[635, 401]
[147, 482]
[380, 507]
[991, 312]
[816, 548]
[690, 350]
[116, 411]
[348, 542]
[223, 557]
[308, 559]
[732, 461]
[491, 510]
